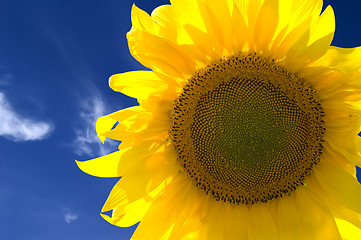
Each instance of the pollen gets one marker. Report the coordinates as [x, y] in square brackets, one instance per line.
[246, 130]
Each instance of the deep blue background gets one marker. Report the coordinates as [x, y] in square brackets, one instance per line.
[59, 54]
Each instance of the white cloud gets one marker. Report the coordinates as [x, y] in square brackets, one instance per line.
[69, 216]
[19, 128]
[87, 141]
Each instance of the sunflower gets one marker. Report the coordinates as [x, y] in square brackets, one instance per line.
[247, 125]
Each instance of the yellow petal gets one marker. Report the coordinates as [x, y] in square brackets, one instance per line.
[289, 224]
[314, 43]
[261, 224]
[252, 12]
[302, 10]
[216, 219]
[126, 217]
[284, 14]
[142, 21]
[224, 221]
[190, 230]
[146, 174]
[348, 230]
[162, 15]
[169, 27]
[324, 26]
[218, 12]
[130, 120]
[137, 154]
[102, 125]
[194, 17]
[160, 54]
[239, 226]
[105, 166]
[127, 210]
[348, 150]
[212, 36]
[340, 211]
[331, 156]
[339, 184]
[291, 38]
[295, 18]
[316, 218]
[266, 25]
[127, 191]
[342, 59]
[129, 127]
[188, 13]
[203, 43]
[172, 28]
[177, 194]
[138, 84]
[125, 113]
[239, 27]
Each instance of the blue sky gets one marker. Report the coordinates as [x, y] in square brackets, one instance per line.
[55, 61]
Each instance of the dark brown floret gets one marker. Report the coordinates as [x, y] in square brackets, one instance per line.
[247, 130]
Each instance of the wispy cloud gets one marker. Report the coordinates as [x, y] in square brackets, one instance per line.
[18, 128]
[69, 216]
[87, 141]
[5, 79]
[92, 106]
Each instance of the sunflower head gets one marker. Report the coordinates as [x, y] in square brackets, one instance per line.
[247, 125]
[243, 134]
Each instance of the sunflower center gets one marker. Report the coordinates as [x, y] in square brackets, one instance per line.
[246, 130]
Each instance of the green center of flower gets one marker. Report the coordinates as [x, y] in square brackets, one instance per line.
[246, 130]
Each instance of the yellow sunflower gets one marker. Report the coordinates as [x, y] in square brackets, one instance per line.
[247, 125]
